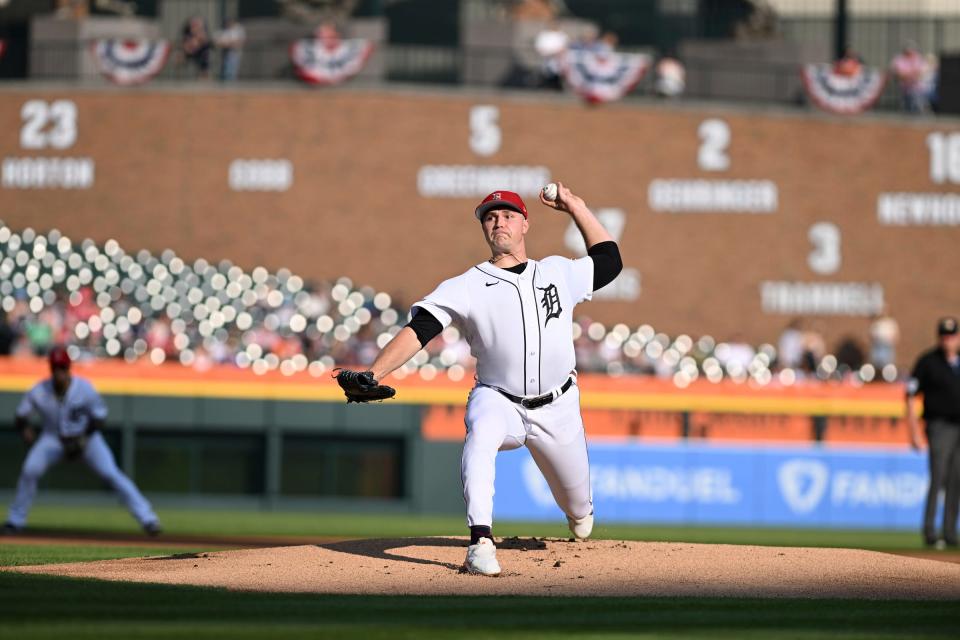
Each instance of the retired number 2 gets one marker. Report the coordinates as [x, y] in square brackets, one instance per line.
[714, 140]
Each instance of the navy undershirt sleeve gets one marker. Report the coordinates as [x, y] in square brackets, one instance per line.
[425, 325]
[607, 263]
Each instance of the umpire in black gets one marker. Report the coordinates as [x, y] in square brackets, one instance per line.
[936, 376]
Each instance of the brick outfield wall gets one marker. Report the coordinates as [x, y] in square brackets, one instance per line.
[161, 181]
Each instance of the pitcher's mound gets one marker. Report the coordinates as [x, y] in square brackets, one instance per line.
[430, 566]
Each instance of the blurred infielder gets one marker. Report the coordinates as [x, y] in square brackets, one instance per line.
[517, 315]
[72, 414]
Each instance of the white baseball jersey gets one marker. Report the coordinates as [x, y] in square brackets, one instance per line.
[69, 416]
[519, 326]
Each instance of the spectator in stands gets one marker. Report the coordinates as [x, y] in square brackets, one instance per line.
[849, 65]
[915, 76]
[850, 356]
[671, 77]
[76, 9]
[790, 347]
[159, 336]
[607, 43]
[759, 24]
[8, 335]
[814, 348]
[936, 376]
[328, 35]
[736, 356]
[884, 335]
[39, 334]
[230, 41]
[932, 79]
[195, 45]
[588, 40]
[534, 10]
[551, 44]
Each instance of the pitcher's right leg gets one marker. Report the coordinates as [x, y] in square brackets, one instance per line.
[492, 425]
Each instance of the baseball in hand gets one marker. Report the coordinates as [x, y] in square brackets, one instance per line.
[550, 192]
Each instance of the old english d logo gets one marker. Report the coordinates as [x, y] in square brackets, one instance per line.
[802, 483]
[550, 302]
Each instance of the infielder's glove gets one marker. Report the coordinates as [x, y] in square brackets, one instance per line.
[359, 386]
[73, 446]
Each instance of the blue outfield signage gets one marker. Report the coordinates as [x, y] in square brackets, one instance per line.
[716, 485]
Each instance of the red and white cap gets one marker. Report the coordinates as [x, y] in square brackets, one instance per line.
[501, 200]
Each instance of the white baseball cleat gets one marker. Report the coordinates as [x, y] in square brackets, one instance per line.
[482, 558]
[581, 528]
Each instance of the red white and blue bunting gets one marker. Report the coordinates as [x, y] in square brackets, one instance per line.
[128, 62]
[601, 76]
[842, 94]
[318, 63]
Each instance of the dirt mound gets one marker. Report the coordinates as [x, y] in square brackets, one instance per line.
[430, 566]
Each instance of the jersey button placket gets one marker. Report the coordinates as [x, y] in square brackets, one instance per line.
[532, 329]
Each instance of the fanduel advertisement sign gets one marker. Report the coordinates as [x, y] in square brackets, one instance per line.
[713, 484]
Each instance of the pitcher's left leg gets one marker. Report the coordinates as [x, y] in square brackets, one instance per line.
[558, 445]
[99, 458]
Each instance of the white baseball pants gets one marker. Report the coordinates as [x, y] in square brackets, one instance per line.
[48, 450]
[553, 434]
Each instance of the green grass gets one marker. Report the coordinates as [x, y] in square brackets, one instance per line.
[215, 522]
[49, 607]
[23, 554]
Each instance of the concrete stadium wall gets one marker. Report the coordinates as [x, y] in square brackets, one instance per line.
[730, 221]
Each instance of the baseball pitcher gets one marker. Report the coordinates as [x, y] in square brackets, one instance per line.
[517, 315]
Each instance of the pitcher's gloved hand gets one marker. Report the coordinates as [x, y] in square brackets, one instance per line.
[359, 386]
[74, 446]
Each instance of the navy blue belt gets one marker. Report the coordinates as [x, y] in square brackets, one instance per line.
[538, 401]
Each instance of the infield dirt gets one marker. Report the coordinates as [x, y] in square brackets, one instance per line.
[531, 566]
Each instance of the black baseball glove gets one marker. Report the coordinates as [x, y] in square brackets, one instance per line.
[359, 386]
[73, 446]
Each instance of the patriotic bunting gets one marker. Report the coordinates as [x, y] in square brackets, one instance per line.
[317, 62]
[603, 76]
[128, 62]
[840, 93]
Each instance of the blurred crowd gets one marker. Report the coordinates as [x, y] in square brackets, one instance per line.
[106, 303]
